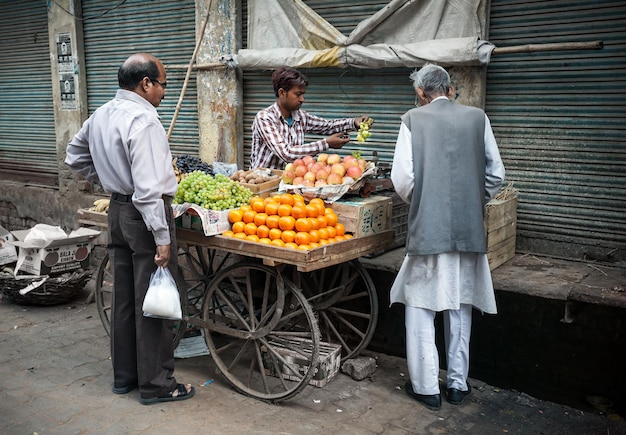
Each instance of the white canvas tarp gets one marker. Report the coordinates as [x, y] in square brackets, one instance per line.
[405, 33]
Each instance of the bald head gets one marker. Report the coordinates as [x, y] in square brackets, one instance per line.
[135, 68]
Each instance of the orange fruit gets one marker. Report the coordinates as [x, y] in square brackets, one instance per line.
[284, 210]
[272, 221]
[319, 201]
[323, 233]
[312, 210]
[303, 238]
[259, 218]
[340, 228]
[291, 245]
[228, 233]
[298, 203]
[331, 240]
[286, 223]
[303, 224]
[288, 236]
[332, 232]
[278, 242]
[248, 216]
[304, 247]
[257, 205]
[323, 242]
[320, 207]
[329, 210]
[265, 240]
[348, 236]
[269, 199]
[275, 233]
[238, 227]
[340, 238]
[298, 211]
[323, 221]
[250, 228]
[315, 224]
[245, 208]
[331, 219]
[314, 245]
[298, 198]
[286, 198]
[271, 208]
[235, 215]
[263, 231]
[240, 236]
[252, 237]
[314, 235]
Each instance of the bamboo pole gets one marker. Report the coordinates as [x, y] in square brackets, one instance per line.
[531, 48]
[189, 68]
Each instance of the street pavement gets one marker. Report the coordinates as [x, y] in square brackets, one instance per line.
[56, 378]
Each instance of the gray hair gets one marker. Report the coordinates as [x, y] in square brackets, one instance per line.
[433, 79]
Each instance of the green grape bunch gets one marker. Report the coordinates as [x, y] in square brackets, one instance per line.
[364, 130]
[216, 192]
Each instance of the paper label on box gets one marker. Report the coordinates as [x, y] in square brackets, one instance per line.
[8, 253]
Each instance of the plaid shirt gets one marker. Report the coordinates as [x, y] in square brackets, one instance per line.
[275, 143]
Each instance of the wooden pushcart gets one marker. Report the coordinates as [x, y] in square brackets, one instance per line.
[264, 310]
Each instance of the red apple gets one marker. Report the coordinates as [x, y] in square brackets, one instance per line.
[322, 157]
[298, 181]
[290, 167]
[338, 169]
[348, 159]
[333, 158]
[308, 183]
[309, 176]
[288, 177]
[321, 174]
[300, 171]
[308, 160]
[354, 172]
[362, 164]
[334, 179]
[321, 183]
[298, 162]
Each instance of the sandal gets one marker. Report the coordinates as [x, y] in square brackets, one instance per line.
[183, 394]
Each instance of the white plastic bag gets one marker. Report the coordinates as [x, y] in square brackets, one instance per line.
[162, 299]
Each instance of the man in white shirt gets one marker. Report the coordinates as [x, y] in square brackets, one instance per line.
[446, 166]
[123, 146]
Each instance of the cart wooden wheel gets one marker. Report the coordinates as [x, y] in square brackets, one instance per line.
[104, 292]
[260, 331]
[196, 267]
[104, 298]
[344, 298]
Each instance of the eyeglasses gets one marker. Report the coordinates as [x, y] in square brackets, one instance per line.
[163, 84]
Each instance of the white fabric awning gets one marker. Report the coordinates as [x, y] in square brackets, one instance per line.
[405, 33]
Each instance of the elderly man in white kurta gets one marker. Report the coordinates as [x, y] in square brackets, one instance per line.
[446, 166]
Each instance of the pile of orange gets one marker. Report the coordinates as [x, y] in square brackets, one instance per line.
[287, 220]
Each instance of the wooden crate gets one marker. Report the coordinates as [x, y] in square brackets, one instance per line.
[326, 369]
[86, 217]
[364, 216]
[266, 189]
[501, 229]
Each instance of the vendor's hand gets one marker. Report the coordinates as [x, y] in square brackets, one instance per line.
[359, 120]
[162, 256]
[338, 140]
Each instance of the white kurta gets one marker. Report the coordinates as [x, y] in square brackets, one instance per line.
[444, 281]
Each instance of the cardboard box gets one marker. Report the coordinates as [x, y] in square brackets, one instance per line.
[364, 216]
[8, 253]
[52, 257]
[327, 368]
[501, 229]
[194, 217]
[265, 189]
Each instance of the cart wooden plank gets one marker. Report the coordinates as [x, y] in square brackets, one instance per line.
[305, 261]
[86, 217]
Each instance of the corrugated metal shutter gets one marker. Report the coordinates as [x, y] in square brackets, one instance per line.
[27, 136]
[560, 121]
[163, 28]
[334, 93]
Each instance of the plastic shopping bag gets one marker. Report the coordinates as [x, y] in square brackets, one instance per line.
[162, 299]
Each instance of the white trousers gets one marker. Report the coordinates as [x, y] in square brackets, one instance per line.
[421, 350]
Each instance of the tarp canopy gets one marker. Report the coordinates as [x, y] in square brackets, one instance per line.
[405, 33]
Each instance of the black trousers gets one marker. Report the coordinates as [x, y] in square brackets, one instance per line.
[141, 347]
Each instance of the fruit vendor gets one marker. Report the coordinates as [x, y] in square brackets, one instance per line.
[123, 146]
[278, 131]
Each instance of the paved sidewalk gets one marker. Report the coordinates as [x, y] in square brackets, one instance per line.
[55, 378]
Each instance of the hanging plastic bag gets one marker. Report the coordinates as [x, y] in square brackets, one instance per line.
[162, 299]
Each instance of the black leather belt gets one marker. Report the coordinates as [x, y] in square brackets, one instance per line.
[121, 198]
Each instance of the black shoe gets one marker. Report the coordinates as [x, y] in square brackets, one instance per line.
[432, 401]
[123, 390]
[456, 397]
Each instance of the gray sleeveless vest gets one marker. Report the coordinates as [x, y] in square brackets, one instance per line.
[446, 212]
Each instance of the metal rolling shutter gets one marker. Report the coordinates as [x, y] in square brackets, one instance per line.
[27, 138]
[560, 121]
[166, 29]
[335, 93]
